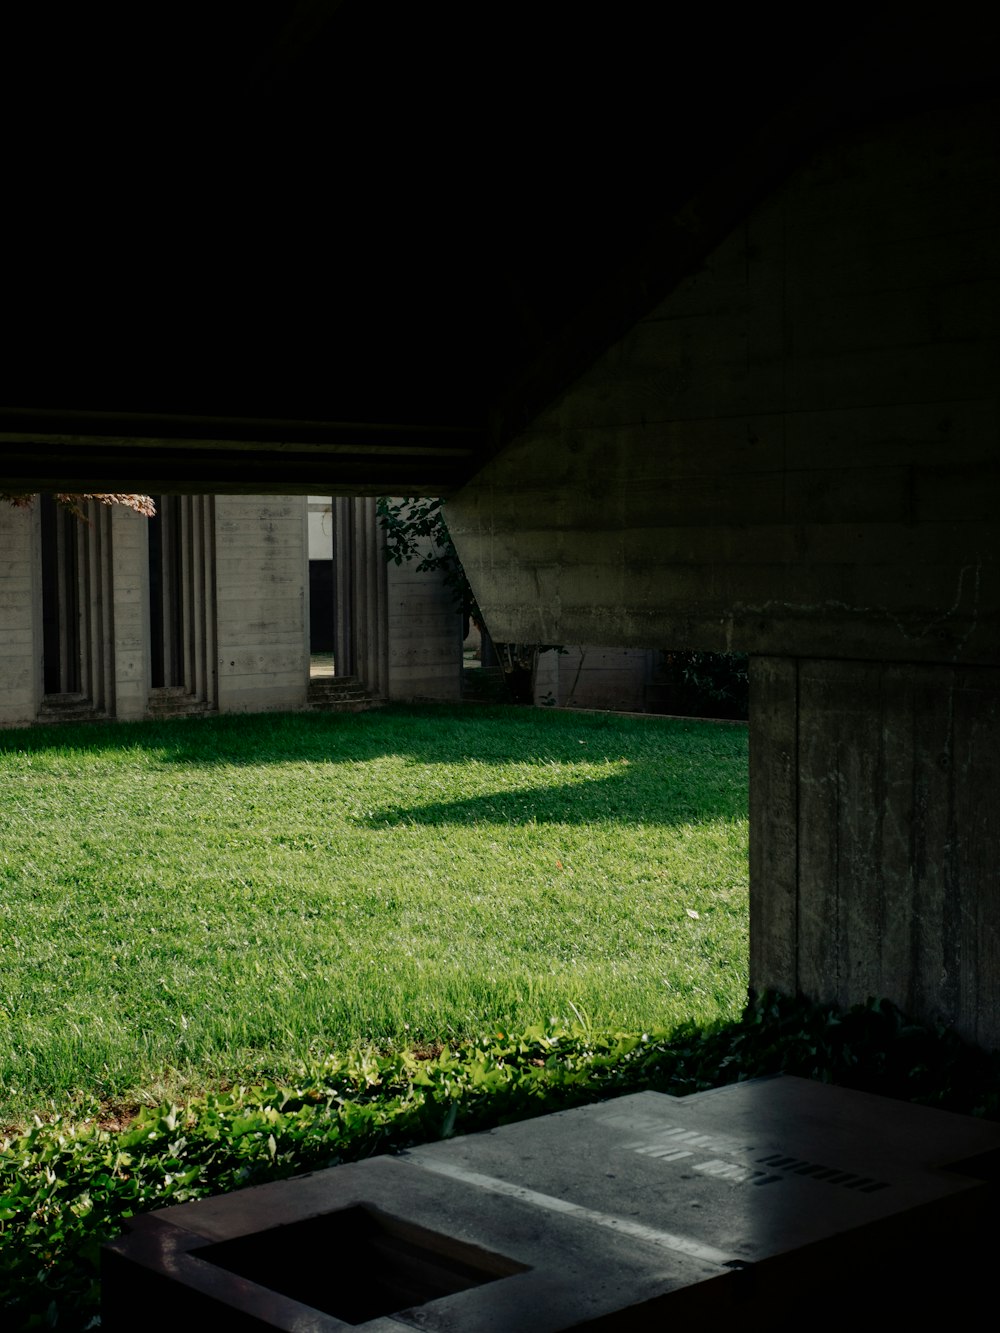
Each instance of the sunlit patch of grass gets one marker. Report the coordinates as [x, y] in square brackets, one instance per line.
[183, 901]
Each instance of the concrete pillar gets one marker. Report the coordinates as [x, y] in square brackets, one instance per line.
[360, 646]
[96, 607]
[129, 539]
[875, 835]
[343, 586]
[262, 613]
[20, 609]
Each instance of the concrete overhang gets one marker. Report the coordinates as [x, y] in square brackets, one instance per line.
[338, 247]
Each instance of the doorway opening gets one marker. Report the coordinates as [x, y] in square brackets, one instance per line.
[77, 669]
[60, 600]
[322, 632]
[182, 604]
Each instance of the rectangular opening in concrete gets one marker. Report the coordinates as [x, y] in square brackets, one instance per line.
[358, 1263]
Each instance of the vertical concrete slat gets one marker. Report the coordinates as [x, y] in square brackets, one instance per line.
[901, 886]
[90, 608]
[21, 633]
[106, 647]
[820, 796]
[71, 578]
[130, 640]
[860, 864]
[196, 586]
[307, 601]
[375, 588]
[188, 584]
[343, 583]
[211, 653]
[974, 781]
[37, 616]
[359, 599]
[925, 708]
[773, 824]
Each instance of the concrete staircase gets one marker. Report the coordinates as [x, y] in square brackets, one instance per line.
[59, 708]
[175, 701]
[338, 694]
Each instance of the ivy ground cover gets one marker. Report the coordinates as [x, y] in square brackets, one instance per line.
[200, 902]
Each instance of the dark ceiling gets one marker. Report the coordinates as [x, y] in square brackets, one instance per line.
[423, 216]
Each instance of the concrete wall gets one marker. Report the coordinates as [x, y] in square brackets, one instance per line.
[262, 612]
[796, 455]
[592, 676]
[797, 450]
[20, 616]
[875, 840]
[424, 636]
[130, 554]
[114, 636]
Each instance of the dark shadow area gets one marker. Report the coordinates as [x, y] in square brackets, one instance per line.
[358, 1263]
[673, 771]
[421, 733]
[629, 797]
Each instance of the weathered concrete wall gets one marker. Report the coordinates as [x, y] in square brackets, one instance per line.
[797, 451]
[262, 563]
[424, 636]
[20, 616]
[876, 841]
[591, 676]
[796, 455]
[130, 635]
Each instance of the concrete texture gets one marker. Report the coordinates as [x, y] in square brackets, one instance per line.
[424, 633]
[875, 839]
[616, 1216]
[796, 452]
[261, 576]
[20, 607]
[795, 455]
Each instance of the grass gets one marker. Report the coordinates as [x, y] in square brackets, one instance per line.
[192, 902]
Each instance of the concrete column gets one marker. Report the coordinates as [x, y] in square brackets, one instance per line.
[875, 835]
[343, 586]
[198, 585]
[96, 607]
[21, 610]
[130, 564]
[262, 612]
[370, 611]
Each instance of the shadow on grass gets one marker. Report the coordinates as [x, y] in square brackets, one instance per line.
[672, 776]
[428, 733]
[634, 796]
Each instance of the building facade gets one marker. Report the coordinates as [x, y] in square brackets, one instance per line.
[206, 608]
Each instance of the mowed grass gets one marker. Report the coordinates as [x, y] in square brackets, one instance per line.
[190, 902]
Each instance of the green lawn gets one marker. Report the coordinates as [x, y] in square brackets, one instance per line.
[190, 901]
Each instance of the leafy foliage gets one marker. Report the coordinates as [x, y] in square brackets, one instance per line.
[141, 504]
[696, 684]
[65, 1187]
[415, 529]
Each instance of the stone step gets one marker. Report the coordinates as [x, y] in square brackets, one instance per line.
[58, 708]
[338, 694]
[335, 686]
[175, 701]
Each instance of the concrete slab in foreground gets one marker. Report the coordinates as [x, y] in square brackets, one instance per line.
[768, 1201]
